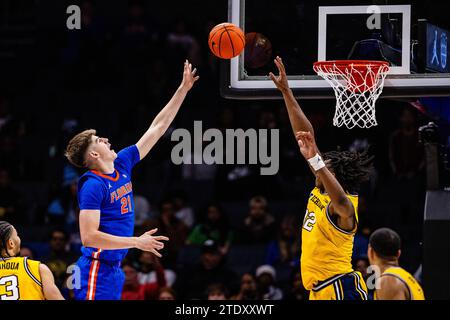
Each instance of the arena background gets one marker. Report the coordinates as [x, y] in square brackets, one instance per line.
[114, 75]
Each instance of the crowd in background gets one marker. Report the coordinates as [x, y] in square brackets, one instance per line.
[233, 233]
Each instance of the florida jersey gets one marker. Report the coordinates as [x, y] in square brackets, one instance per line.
[112, 194]
[326, 248]
[20, 279]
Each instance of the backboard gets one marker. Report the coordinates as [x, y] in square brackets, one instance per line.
[412, 37]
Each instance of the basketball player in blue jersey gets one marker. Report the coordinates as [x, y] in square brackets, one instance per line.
[105, 197]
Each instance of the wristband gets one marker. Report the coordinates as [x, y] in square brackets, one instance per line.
[316, 162]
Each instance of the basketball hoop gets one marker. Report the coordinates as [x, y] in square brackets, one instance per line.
[357, 85]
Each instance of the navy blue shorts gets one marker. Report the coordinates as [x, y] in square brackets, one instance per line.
[100, 280]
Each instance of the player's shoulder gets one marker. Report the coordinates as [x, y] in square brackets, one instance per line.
[391, 280]
[89, 180]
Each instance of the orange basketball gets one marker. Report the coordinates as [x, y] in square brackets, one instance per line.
[226, 40]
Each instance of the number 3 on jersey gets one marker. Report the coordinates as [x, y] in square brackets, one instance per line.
[310, 220]
[11, 288]
[126, 205]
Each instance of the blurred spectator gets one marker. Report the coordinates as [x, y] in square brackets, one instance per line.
[9, 198]
[26, 252]
[407, 160]
[284, 253]
[406, 155]
[297, 291]
[248, 290]
[141, 210]
[133, 290]
[183, 44]
[216, 291]
[265, 278]
[361, 241]
[286, 249]
[361, 265]
[149, 266]
[60, 256]
[182, 211]
[169, 226]
[192, 284]
[63, 210]
[215, 227]
[166, 293]
[259, 225]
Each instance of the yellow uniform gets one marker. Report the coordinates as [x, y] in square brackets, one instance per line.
[20, 279]
[327, 252]
[414, 288]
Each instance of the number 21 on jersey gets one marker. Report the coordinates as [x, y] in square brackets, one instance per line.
[126, 205]
[309, 221]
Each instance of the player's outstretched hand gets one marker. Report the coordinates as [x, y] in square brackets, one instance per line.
[281, 80]
[189, 77]
[307, 144]
[150, 243]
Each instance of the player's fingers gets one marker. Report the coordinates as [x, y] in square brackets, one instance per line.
[153, 231]
[156, 253]
[277, 63]
[158, 245]
[194, 71]
[161, 238]
[273, 77]
[196, 78]
[280, 62]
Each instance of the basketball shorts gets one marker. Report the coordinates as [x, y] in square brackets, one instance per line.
[100, 280]
[349, 286]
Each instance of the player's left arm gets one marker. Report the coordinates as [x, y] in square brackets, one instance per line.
[340, 203]
[163, 120]
[51, 291]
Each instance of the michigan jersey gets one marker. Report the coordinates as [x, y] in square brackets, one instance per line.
[326, 248]
[414, 288]
[20, 279]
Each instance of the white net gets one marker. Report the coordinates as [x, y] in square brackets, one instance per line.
[357, 87]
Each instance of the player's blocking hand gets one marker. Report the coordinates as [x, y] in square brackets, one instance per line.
[189, 77]
[307, 144]
[150, 243]
[281, 80]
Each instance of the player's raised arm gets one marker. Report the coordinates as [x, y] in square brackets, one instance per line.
[163, 120]
[340, 204]
[51, 291]
[299, 121]
[92, 237]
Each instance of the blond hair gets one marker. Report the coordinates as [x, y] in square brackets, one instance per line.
[76, 149]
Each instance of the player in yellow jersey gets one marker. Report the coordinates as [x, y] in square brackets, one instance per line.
[395, 283]
[331, 219]
[21, 278]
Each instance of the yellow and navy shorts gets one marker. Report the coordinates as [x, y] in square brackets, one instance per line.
[349, 286]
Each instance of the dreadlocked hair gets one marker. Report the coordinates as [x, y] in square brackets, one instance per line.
[351, 168]
[6, 230]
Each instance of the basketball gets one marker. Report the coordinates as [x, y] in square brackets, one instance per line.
[258, 50]
[226, 41]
